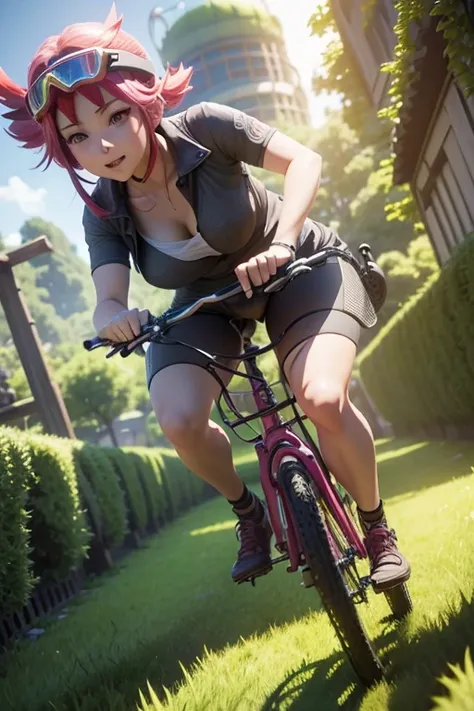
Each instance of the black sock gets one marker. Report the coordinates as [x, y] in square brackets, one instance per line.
[249, 503]
[368, 519]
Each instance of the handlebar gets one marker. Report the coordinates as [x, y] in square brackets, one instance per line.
[158, 324]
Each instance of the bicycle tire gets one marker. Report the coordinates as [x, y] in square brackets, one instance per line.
[399, 600]
[296, 484]
[398, 597]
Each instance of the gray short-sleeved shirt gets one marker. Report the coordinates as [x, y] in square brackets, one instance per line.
[236, 215]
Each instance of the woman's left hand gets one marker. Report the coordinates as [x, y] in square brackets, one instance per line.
[259, 269]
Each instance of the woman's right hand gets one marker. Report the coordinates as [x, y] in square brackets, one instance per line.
[125, 326]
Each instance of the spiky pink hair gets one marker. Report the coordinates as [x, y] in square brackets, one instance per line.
[150, 95]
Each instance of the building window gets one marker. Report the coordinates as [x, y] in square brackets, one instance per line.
[258, 67]
[445, 189]
[238, 68]
[218, 73]
[276, 73]
[240, 62]
[199, 81]
[379, 33]
[248, 105]
[254, 47]
[214, 55]
[268, 115]
[375, 43]
[231, 50]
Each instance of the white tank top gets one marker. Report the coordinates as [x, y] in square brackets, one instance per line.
[187, 250]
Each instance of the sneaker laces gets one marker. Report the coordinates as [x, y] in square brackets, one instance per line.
[246, 531]
[380, 540]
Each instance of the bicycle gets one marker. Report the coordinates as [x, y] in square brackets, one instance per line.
[312, 520]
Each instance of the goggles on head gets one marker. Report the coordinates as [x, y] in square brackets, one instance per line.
[79, 68]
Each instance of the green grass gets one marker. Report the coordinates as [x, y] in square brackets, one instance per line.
[269, 647]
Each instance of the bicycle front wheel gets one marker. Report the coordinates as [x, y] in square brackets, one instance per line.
[297, 486]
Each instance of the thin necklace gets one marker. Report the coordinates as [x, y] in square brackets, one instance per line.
[150, 197]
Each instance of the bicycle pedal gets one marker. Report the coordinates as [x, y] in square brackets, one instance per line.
[258, 574]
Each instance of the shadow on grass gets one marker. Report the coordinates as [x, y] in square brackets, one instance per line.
[418, 663]
[218, 619]
[429, 466]
[159, 661]
[326, 683]
[413, 667]
[331, 682]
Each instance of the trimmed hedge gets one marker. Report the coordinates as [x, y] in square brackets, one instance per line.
[186, 489]
[16, 580]
[132, 489]
[89, 499]
[58, 526]
[156, 494]
[420, 367]
[61, 499]
[101, 475]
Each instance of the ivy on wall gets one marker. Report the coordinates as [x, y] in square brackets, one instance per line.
[340, 73]
[409, 12]
[458, 31]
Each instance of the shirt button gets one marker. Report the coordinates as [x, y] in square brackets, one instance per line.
[200, 154]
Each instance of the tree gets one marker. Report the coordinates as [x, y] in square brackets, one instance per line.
[406, 272]
[146, 296]
[62, 273]
[355, 193]
[341, 75]
[50, 326]
[95, 390]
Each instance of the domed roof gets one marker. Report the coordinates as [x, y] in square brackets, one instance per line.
[215, 19]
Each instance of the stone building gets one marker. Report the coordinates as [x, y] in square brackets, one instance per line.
[239, 58]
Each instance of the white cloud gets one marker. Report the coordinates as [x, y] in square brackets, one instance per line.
[13, 239]
[29, 200]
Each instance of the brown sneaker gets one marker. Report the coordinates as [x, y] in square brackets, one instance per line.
[388, 567]
[254, 556]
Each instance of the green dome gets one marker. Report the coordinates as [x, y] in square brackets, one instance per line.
[215, 20]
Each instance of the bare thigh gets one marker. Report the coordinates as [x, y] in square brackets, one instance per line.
[319, 372]
[182, 396]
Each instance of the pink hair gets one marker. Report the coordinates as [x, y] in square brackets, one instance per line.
[150, 95]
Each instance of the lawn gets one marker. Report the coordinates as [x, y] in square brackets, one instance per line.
[171, 615]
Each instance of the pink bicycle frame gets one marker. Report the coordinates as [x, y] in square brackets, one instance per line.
[279, 441]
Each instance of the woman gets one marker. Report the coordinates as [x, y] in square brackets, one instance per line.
[175, 194]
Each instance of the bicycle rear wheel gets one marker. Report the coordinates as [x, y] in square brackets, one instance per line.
[399, 600]
[320, 550]
[398, 597]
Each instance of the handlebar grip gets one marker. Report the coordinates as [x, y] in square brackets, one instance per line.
[95, 342]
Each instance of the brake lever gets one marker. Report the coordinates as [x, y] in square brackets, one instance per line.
[129, 347]
[114, 350]
[299, 268]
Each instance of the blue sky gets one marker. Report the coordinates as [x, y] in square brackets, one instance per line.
[24, 24]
